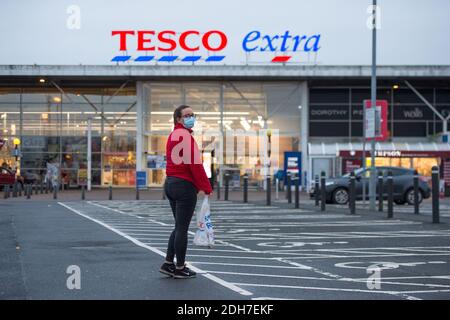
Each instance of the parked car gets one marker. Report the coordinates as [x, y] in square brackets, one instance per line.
[337, 189]
[8, 177]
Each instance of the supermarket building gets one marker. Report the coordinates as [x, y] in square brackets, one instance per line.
[317, 110]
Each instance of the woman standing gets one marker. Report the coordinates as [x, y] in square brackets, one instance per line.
[185, 178]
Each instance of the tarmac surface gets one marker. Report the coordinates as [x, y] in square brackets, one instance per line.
[261, 252]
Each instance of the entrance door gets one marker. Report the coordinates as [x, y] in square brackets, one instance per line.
[322, 164]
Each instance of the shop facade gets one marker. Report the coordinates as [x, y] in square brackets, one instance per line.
[417, 117]
[51, 125]
[316, 112]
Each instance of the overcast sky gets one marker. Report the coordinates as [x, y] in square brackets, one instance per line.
[412, 31]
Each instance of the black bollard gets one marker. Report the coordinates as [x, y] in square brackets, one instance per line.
[289, 186]
[268, 191]
[218, 190]
[316, 190]
[55, 192]
[226, 186]
[8, 191]
[27, 190]
[390, 187]
[245, 188]
[138, 195]
[15, 190]
[323, 194]
[110, 193]
[42, 187]
[20, 189]
[380, 191]
[46, 187]
[435, 193]
[83, 193]
[352, 193]
[31, 188]
[416, 192]
[5, 189]
[297, 192]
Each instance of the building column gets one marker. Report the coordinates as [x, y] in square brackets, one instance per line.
[140, 103]
[304, 132]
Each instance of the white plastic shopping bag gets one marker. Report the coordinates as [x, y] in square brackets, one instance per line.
[205, 233]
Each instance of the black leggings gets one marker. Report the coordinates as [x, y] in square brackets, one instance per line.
[182, 196]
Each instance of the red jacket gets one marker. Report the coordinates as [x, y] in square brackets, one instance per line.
[186, 166]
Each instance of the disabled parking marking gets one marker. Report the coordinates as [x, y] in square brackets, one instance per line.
[383, 265]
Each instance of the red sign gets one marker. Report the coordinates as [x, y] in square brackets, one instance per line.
[383, 114]
[446, 171]
[350, 165]
[168, 40]
[396, 154]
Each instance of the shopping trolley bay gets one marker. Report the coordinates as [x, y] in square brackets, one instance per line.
[260, 252]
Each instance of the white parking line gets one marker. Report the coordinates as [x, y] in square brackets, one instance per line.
[246, 265]
[159, 252]
[396, 293]
[382, 281]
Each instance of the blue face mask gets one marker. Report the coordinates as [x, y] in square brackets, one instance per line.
[189, 122]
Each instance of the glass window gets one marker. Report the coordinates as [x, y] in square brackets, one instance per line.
[37, 160]
[317, 95]
[55, 127]
[79, 160]
[204, 98]
[247, 106]
[9, 114]
[163, 99]
[42, 113]
[408, 96]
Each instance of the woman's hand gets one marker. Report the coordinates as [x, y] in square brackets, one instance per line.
[204, 193]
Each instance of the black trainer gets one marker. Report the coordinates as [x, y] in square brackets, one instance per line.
[184, 273]
[168, 269]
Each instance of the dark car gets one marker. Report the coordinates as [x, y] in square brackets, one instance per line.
[337, 189]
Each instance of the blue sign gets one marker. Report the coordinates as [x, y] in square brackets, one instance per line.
[292, 164]
[141, 179]
[256, 41]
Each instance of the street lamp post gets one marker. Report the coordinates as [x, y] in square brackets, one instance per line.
[372, 185]
[89, 154]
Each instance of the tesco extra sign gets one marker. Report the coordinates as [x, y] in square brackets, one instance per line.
[152, 45]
